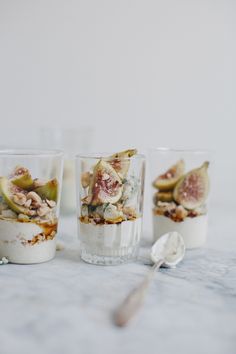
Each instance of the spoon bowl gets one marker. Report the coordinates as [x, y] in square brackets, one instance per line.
[170, 247]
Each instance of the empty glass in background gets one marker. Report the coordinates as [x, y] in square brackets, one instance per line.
[70, 140]
[109, 232]
[166, 217]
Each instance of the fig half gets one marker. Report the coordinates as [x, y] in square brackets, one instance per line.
[105, 186]
[163, 197]
[8, 189]
[169, 179]
[49, 190]
[21, 177]
[192, 189]
[120, 161]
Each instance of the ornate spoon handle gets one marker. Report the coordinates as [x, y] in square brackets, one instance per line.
[135, 299]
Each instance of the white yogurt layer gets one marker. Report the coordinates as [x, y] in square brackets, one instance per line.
[11, 230]
[111, 240]
[12, 237]
[193, 230]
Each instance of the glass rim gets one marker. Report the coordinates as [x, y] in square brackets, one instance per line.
[177, 150]
[31, 153]
[106, 155]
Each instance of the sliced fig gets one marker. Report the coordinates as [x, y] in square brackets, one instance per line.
[192, 189]
[49, 190]
[8, 191]
[120, 161]
[169, 179]
[105, 186]
[163, 197]
[21, 177]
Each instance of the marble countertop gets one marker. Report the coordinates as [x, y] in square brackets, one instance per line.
[66, 306]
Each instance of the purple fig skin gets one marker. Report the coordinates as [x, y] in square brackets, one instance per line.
[192, 189]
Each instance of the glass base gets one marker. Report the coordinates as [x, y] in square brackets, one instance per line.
[109, 257]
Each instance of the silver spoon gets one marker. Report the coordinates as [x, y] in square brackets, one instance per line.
[167, 251]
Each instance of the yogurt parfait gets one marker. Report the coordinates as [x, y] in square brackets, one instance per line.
[28, 216]
[180, 203]
[110, 199]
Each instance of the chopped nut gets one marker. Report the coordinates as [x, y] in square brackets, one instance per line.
[32, 212]
[4, 260]
[36, 218]
[35, 205]
[34, 197]
[180, 212]
[87, 200]
[50, 237]
[50, 217]
[19, 198]
[28, 203]
[130, 212]
[171, 210]
[23, 217]
[51, 203]
[43, 210]
[192, 213]
[9, 214]
[84, 210]
[111, 213]
[36, 239]
[84, 219]
[166, 206]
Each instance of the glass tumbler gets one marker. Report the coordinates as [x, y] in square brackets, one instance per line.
[180, 180]
[109, 206]
[30, 185]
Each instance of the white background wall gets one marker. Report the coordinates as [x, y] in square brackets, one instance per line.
[143, 73]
